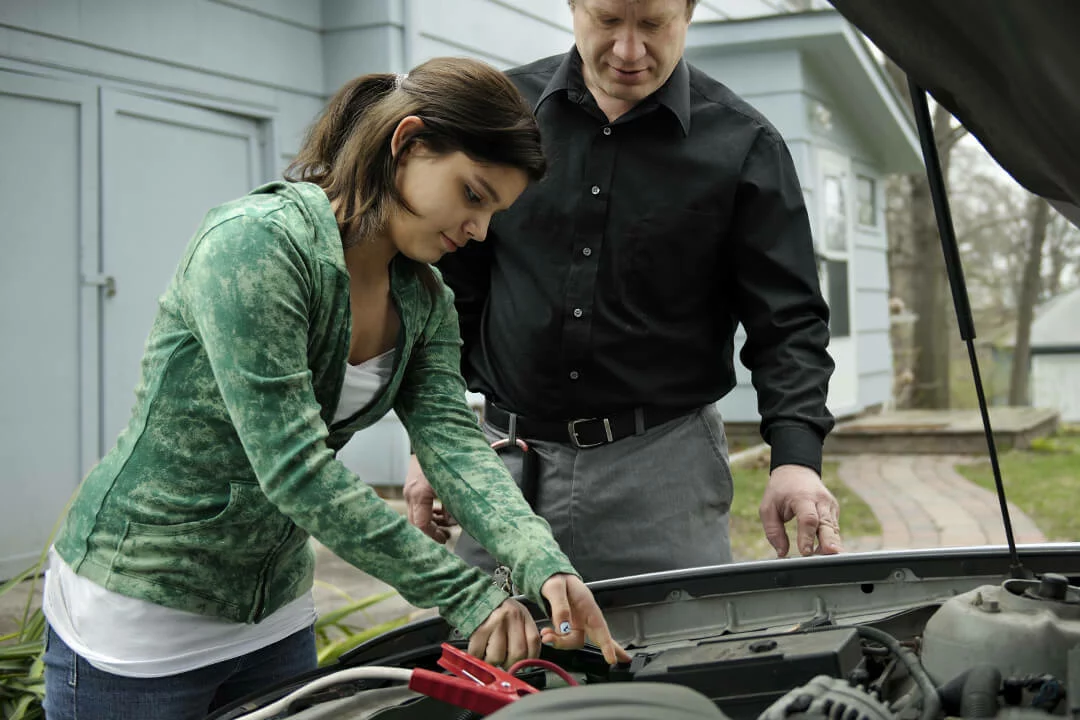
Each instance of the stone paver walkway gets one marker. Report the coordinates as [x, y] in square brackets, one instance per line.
[921, 501]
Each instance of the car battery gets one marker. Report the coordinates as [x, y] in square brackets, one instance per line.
[744, 675]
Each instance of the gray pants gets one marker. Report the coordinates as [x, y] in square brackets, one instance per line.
[646, 503]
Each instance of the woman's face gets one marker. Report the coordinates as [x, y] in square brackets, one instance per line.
[454, 198]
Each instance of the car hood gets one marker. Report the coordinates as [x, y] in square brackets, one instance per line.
[1009, 70]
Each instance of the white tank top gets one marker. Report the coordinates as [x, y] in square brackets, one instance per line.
[135, 638]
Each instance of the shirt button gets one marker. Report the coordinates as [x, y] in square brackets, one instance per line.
[574, 374]
[607, 131]
[578, 312]
[595, 190]
[586, 252]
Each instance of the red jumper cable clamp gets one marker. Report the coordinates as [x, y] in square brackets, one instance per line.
[479, 687]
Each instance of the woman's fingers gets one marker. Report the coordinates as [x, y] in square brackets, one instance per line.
[495, 652]
[576, 616]
[508, 635]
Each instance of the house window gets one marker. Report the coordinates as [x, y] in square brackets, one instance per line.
[835, 214]
[836, 293]
[866, 200]
[834, 257]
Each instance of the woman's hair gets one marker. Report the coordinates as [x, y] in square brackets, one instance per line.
[466, 106]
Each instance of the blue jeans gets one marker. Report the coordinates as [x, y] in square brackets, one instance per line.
[76, 690]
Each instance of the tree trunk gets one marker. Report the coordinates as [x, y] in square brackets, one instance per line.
[1057, 231]
[1039, 212]
[931, 334]
[917, 273]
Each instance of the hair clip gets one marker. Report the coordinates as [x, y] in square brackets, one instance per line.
[399, 80]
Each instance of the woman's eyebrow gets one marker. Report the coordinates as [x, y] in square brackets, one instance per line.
[489, 189]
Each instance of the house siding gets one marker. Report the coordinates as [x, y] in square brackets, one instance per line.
[256, 73]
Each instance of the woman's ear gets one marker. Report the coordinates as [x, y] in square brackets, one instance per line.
[409, 126]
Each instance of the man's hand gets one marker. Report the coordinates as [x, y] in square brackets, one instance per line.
[420, 504]
[575, 616]
[797, 492]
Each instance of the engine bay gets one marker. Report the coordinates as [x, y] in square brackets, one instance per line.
[913, 635]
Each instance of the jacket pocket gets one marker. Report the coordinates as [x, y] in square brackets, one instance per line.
[216, 558]
[240, 494]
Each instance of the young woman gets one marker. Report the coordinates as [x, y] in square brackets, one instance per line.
[300, 314]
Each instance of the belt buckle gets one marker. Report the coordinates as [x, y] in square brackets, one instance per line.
[572, 429]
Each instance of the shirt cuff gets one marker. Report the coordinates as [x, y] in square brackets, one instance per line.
[472, 618]
[792, 445]
[531, 578]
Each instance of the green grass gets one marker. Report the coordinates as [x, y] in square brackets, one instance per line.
[748, 539]
[1044, 482]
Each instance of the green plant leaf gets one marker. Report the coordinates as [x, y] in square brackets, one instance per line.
[335, 616]
[336, 649]
[10, 585]
[23, 710]
[334, 589]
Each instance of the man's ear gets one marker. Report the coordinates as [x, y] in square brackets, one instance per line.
[409, 126]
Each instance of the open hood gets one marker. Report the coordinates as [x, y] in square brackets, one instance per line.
[1009, 70]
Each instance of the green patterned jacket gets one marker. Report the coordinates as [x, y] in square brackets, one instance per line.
[207, 501]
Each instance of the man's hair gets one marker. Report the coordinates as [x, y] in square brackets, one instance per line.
[690, 5]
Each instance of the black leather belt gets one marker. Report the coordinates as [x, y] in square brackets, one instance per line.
[583, 432]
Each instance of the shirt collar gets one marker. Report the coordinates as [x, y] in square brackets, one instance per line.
[674, 94]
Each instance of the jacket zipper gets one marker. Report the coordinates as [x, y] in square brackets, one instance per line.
[263, 587]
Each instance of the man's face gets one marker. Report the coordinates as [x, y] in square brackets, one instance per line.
[629, 48]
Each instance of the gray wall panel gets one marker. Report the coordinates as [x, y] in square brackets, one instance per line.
[874, 355]
[214, 38]
[500, 32]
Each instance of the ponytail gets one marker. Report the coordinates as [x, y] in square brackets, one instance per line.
[331, 147]
[466, 106]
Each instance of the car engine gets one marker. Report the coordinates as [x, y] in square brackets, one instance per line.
[1006, 650]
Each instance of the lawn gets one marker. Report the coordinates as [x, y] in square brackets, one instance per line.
[748, 539]
[1044, 482]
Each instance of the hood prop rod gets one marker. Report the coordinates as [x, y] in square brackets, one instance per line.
[961, 304]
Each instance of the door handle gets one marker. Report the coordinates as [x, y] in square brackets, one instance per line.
[108, 282]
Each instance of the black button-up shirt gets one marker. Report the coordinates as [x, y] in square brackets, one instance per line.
[619, 279]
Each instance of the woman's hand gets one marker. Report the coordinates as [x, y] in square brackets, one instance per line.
[509, 634]
[575, 616]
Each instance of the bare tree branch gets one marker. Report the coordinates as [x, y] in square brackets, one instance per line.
[956, 134]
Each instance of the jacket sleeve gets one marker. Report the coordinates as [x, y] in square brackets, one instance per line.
[465, 472]
[246, 290]
[778, 301]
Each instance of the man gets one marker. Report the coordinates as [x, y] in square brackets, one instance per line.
[599, 317]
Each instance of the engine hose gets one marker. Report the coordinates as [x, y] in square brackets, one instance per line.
[931, 701]
[980, 695]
